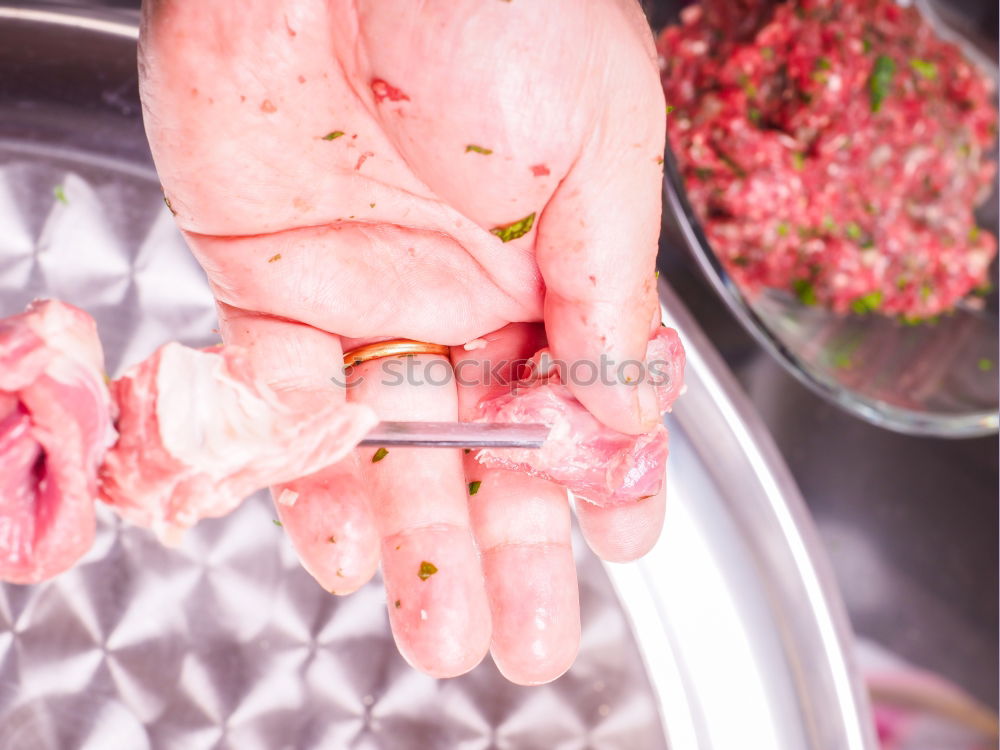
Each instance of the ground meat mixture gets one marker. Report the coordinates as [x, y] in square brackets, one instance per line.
[836, 150]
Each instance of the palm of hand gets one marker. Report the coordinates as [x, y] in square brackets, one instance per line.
[337, 169]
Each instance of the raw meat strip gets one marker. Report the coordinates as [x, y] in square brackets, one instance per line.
[596, 463]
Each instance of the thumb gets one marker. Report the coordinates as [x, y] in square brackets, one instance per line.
[596, 251]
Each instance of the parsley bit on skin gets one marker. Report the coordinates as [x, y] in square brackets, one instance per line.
[478, 149]
[519, 228]
[474, 487]
[333, 135]
[426, 570]
[274, 257]
[379, 455]
[276, 522]
[60, 193]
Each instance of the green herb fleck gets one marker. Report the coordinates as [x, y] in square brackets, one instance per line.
[60, 193]
[670, 108]
[823, 63]
[379, 455]
[474, 487]
[702, 173]
[753, 114]
[276, 256]
[478, 149]
[276, 522]
[333, 135]
[783, 229]
[519, 228]
[985, 364]
[926, 290]
[931, 320]
[798, 160]
[866, 45]
[880, 81]
[843, 362]
[732, 164]
[974, 233]
[853, 230]
[983, 289]
[924, 68]
[747, 85]
[766, 52]
[867, 303]
[805, 291]
[426, 570]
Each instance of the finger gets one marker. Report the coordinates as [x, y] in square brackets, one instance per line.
[621, 533]
[522, 527]
[326, 515]
[433, 579]
[597, 243]
[329, 521]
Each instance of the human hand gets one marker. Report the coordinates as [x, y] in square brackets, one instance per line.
[317, 157]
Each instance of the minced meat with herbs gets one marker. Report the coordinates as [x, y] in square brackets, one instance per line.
[836, 151]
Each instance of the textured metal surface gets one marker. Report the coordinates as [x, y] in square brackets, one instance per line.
[737, 640]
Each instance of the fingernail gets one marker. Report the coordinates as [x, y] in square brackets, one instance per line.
[647, 408]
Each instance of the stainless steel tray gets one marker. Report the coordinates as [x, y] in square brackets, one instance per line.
[728, 635]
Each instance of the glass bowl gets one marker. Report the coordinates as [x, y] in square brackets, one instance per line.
[929, 379]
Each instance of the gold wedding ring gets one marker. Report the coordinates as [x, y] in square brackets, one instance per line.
[392, 348]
